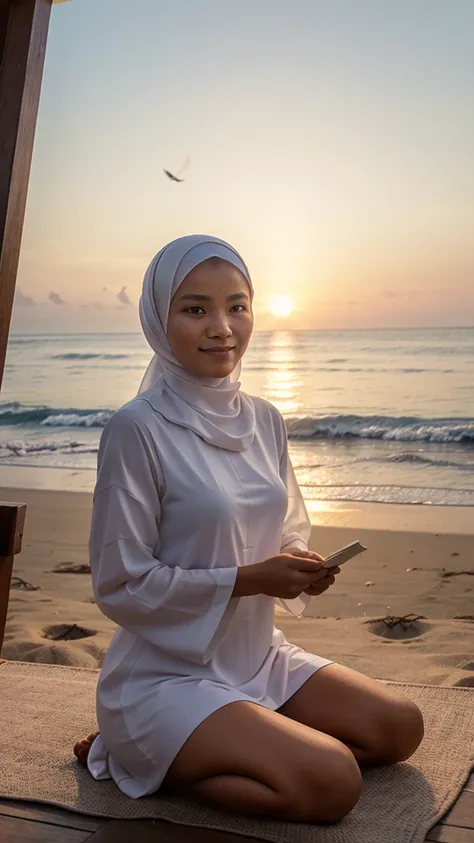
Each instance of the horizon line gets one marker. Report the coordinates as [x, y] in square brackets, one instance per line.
[258, 330]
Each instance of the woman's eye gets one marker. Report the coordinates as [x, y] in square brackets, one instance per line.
[197, 310]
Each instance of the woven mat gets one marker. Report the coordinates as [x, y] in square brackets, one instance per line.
[44, 709]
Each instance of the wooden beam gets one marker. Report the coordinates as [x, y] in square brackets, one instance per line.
[3, 26]
[12, 522]
[23, 34]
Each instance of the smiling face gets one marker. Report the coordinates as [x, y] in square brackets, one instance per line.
[210, 320]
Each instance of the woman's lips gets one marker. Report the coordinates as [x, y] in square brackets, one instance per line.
[218, 352]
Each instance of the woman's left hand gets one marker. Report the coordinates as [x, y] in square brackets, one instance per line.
[324, 579]
[324, 583]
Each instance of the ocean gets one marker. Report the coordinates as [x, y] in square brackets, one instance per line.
[382, 416]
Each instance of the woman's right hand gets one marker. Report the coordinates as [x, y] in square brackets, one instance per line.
[283, 575]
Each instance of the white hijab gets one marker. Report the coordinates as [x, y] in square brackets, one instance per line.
[214, 408]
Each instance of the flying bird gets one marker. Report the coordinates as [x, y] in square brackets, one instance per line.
[175, 176]
[123, 296]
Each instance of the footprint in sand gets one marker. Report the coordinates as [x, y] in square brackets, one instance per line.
[448, 574]
[66, 632]
[71, 568]
[466, 681]
[18, 582]
[399, 628]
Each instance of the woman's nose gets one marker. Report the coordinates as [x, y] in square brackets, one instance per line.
[219, 327]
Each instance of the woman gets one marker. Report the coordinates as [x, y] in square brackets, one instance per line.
[198, 526]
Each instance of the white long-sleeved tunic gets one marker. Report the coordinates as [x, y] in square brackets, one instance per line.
[173, 518]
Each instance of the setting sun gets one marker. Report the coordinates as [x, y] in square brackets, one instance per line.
[281, 306]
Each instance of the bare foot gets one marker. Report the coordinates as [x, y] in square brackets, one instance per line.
[82, 748]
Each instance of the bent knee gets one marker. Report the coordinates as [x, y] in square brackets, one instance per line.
[325, 790]
[400, 732]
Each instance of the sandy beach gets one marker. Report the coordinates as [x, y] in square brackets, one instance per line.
[420, 562]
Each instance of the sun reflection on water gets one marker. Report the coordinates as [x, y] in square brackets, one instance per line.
[282, 385]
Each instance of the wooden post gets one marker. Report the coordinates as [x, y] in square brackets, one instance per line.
[23, 34]
[12, 520]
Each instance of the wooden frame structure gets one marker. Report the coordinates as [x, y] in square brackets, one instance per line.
[12, 521]
[23, 36]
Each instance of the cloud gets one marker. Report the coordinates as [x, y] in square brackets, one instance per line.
[123, 297]
[55, 298]
[390, 294]
[23, 301]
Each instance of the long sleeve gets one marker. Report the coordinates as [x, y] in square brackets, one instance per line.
[185, 612]
[296, 528]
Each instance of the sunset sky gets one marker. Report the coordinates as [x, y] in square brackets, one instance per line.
[331, 141]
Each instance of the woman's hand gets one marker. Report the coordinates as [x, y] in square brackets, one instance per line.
[305, 554]
[285, 575]
[325, 578]
[324, 583]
